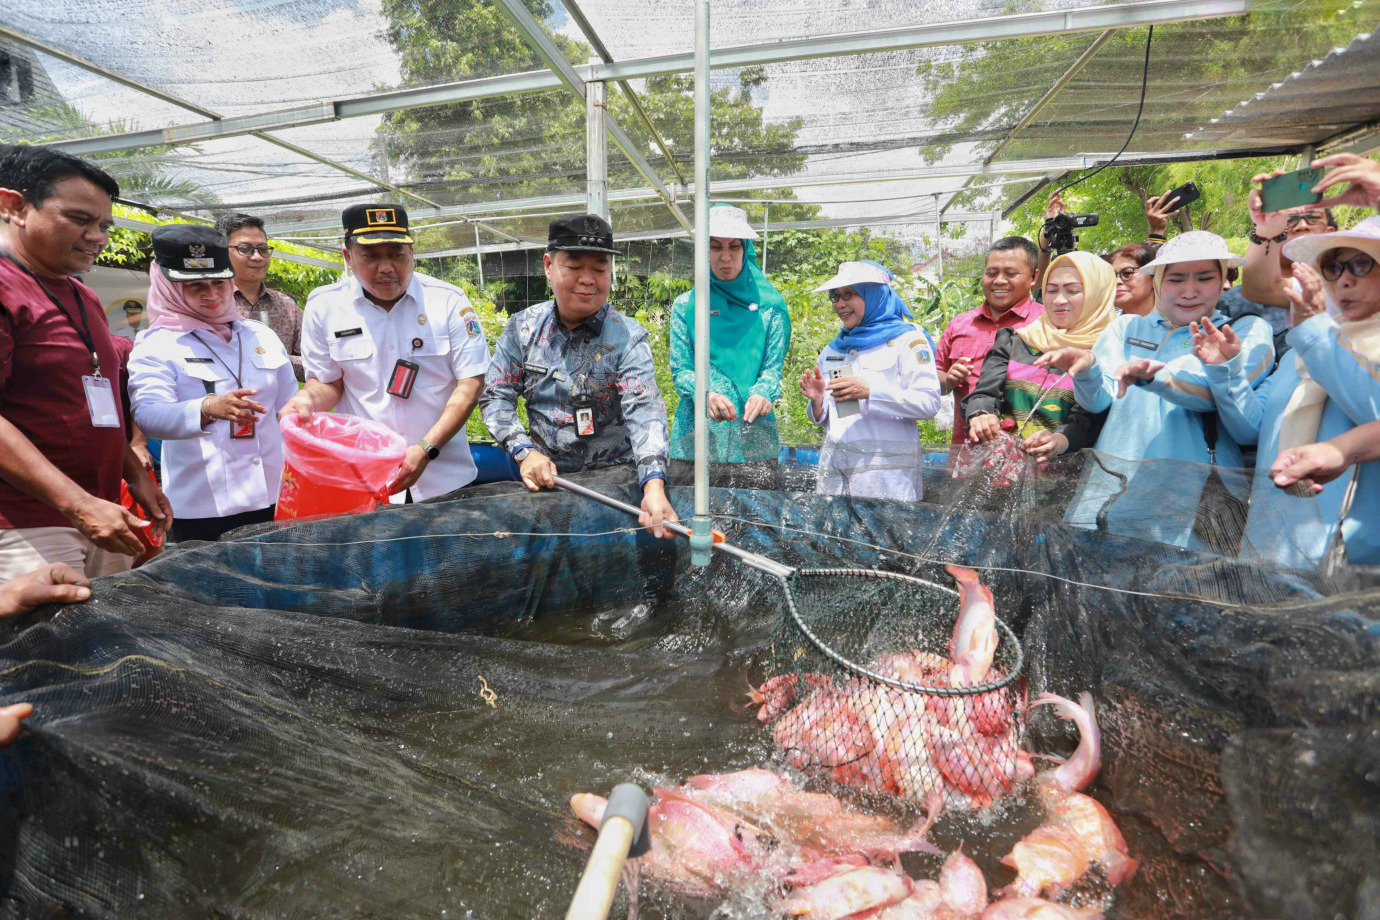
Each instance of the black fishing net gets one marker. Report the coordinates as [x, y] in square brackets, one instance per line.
[386, 715]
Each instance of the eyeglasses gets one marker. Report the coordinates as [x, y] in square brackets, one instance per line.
[1312, 219]
[246, 250]
[1126, 274]
[1359, 266]
[838, 294]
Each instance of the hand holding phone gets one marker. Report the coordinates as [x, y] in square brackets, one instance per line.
[1290, 190]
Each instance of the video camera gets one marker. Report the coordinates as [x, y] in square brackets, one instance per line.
[1059, 230]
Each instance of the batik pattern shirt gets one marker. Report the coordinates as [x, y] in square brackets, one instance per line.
[607, 358]
[280, 313]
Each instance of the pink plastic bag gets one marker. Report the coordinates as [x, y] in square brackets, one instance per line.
[336, 464]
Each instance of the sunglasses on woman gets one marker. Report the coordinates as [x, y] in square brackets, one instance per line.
[1359, 266]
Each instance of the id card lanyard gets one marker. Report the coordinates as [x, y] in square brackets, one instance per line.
[239, 431]
[100, 397]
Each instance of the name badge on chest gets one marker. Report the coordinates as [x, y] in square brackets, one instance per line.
[100, 400]
[242, 431]
[402, 379]
[1142, 343]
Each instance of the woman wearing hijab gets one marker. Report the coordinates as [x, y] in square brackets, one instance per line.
[1327, 385]
[1144, 374]
[749, 335]
[1036, 403]
[202, 378]
[872, 383]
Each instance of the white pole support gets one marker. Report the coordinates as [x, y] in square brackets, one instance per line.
[596, 149]
[701, 539]
[479, 256]
[766, 228]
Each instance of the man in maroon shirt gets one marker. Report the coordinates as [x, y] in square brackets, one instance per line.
[63, 435]
[1006, 284]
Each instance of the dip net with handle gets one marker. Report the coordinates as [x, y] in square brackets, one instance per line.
[386, 715]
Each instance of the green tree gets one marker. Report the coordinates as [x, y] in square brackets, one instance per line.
[147, 174]
[1196, 71]
[517, 146]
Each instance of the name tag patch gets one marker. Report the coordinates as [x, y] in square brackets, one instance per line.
[199, 360]
[541, 370]
[1142, 343]
[346, 333]
[833, 357]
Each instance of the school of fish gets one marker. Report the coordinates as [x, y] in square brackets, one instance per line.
[933, 750]
[822, 858]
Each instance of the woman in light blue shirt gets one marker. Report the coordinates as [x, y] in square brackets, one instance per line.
[1328, 385]
[1160, 405]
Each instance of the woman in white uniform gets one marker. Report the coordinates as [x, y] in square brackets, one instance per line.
[872, 383]
[202, 378]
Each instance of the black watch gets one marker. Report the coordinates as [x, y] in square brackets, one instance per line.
[432, 451]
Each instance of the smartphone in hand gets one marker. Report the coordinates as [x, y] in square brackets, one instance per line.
[1291, 190]
[1185, 194]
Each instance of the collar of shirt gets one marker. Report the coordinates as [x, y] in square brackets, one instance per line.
[414, 292]
[1023, 310]
[592, 325]
[264, 295]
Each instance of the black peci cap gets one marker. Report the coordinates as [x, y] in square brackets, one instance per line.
[192, 252]
[580, 233]
[376, 223]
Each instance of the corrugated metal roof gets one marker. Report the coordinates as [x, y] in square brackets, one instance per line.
[1327, 97]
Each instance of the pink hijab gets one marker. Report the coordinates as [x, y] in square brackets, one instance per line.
[168, 308]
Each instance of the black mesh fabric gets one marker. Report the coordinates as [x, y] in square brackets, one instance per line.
[385, 715]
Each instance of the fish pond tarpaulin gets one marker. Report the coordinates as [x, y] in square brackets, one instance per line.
[386, 715]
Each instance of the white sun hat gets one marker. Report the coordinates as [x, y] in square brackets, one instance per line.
[1194, 246]
[851, 273]
[730, 223]
[1365, 236]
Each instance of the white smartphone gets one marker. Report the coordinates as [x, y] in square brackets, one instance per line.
[844, 407]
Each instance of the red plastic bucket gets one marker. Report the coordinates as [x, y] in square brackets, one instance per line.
[336, 464]
[152, 543]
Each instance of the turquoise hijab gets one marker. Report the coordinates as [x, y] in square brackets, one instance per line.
[737, 337]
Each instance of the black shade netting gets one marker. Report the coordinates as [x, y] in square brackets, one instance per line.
[386, 715]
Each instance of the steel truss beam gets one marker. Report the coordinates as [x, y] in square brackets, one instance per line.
[995, 28]
[1003, 168]
[149, 227]
[546, 49]
[178, 101]
[900, 221]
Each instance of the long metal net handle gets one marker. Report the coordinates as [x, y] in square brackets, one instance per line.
[1006, 632]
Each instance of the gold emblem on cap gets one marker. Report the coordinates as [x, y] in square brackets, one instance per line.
[197, 249]
[421, 320]
[378, 216]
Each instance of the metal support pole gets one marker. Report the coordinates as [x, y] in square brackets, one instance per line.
[596, 149]
[766, 228]
[478, 256]
[701, 529]
[939, 237]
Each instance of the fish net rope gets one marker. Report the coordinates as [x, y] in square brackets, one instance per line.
[1008, 637]
[930, 560]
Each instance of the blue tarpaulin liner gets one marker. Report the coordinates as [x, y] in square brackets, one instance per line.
[291, 723]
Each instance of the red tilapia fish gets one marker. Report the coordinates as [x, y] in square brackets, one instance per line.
[1078, 832]
[933, 750]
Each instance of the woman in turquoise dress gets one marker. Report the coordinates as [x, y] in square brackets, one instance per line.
[749, 335]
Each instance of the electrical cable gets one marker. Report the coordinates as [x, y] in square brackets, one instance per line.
[1144, 82]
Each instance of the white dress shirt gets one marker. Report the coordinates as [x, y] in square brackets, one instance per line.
[346, 336]
[207, 473]
[876, 453]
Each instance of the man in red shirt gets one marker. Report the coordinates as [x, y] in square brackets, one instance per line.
[63, 432]
[1006, 284]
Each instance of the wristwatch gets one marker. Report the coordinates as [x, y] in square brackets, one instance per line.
[521, 454]
[431, 450]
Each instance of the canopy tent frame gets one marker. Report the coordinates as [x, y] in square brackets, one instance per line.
[1013, 26]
